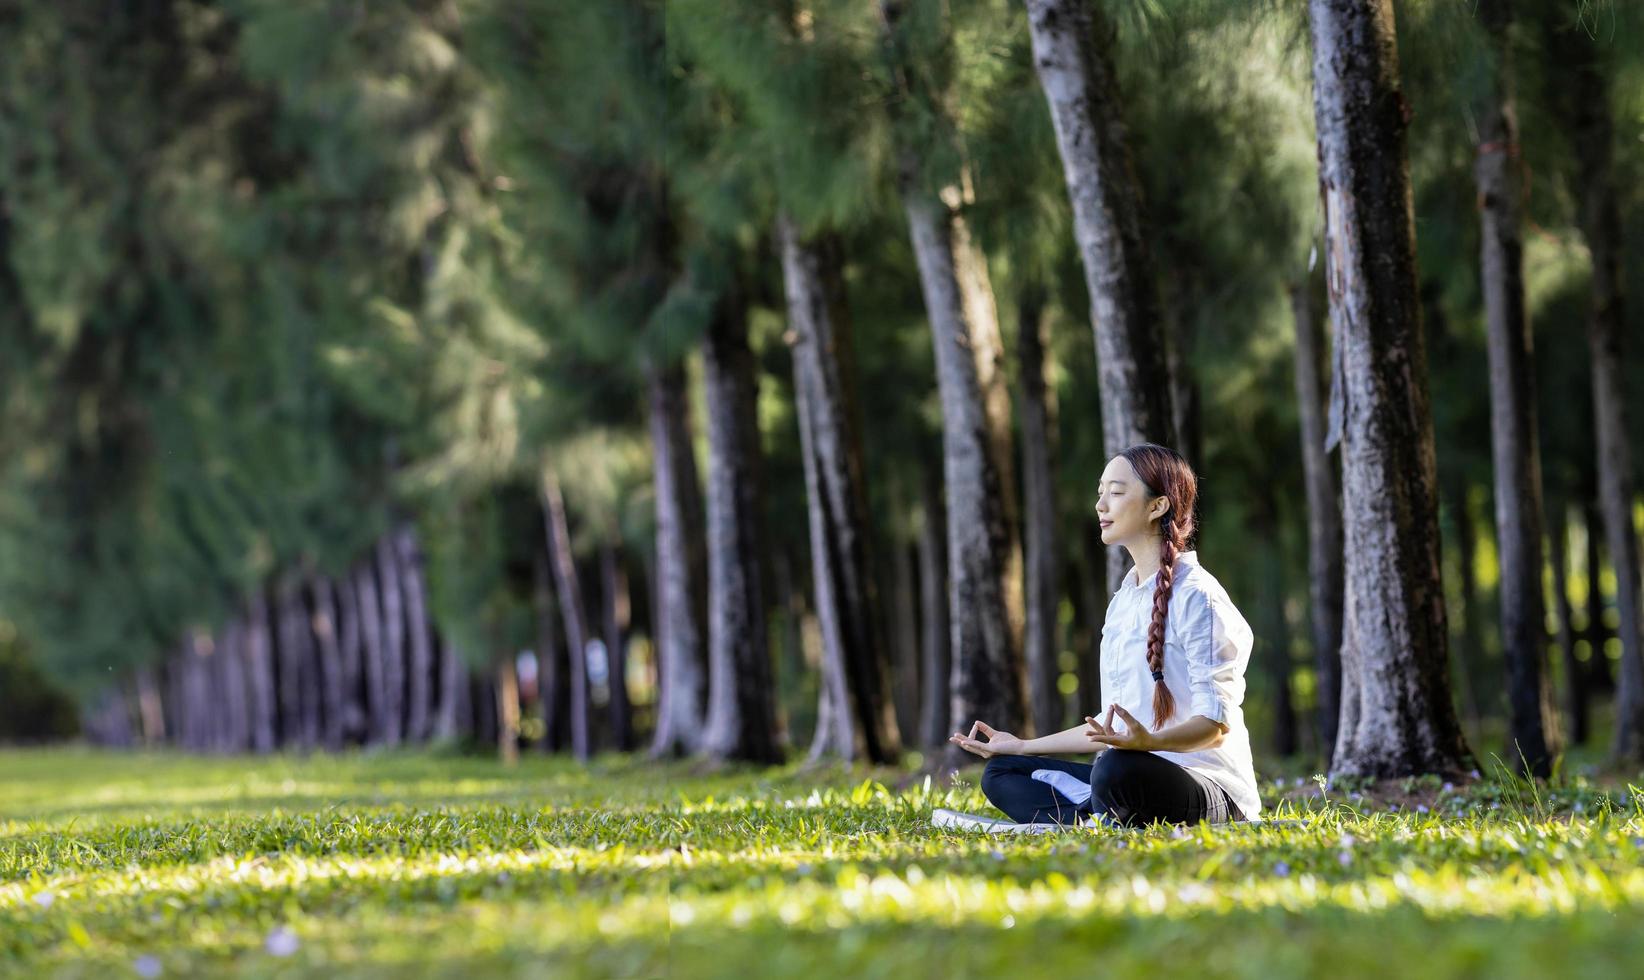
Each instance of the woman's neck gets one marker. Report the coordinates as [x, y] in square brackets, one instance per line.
[1147, 560]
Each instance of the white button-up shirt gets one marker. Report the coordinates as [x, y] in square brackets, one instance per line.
[1207, 647]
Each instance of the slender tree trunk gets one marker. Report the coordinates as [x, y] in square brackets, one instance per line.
[987, 682]
[1401, 720]
[420, 649]
[614, 592]
[1599, 677]
[289, 659]
[260, 667]
[680, 570]
[1071, 42]
[905, 624]
[1469, 655]
[1592, 135]
[1516, 452]
[936, 637]
[1324, 541]
[847, 602]
[1097, 597]
[1575, 680]
[236, 701]
[393, 641]
[569, 590]
[350, 648]
[1039, 497]
[741, 719]
[332, 688]
[371, 630]
[150, 711]
[507, 711]
[553, 665]
[453, 693]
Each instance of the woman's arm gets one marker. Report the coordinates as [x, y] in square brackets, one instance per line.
[1058, 743]
[1197, 732]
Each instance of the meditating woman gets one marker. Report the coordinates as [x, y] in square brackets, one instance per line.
[1174, 652]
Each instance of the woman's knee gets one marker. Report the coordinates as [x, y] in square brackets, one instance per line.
[1114, 773]
[998, 767]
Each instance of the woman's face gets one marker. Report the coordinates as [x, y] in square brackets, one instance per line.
[1123, 505]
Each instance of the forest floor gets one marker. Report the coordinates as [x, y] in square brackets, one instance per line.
[131, 864]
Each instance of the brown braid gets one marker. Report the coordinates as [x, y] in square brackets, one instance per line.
[1166, 474]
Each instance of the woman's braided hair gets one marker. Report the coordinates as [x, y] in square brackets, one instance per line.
[1165, 473]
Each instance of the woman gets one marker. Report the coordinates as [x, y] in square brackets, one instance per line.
[1174, 652]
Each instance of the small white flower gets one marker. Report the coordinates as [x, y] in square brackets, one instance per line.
[1345, 858]
[1282, 869]
[147, 966]
[44, 899]
[281, 942]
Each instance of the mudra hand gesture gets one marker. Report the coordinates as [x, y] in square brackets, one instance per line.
[1135, 737]
[998, 743]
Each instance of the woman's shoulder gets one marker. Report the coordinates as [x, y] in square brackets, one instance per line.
[1201, 594]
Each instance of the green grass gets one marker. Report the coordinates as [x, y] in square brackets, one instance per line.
[388, 865]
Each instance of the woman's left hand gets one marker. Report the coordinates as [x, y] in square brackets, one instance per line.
[1136, 737]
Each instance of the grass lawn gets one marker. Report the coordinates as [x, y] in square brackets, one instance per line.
[118, 865]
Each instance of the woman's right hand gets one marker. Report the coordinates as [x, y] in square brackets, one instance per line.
[998, 743]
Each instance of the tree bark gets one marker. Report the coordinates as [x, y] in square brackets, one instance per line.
[507, 711]
[1071, 42]
[236, 703]
[569, 592]
[741, 719]
[847, 602]
[905, 626]
[350, 648]
[1599, 677]
[1575, 679]
[420, 649]
[393, 642]
[680, 569]
[332, 689]
[553, 665]
[614, 593]
[1591, 130]
[1039, 499]
[449, 711]
[1324, 535]
[1096, 597]
[936, 637]
[260, 668]
[371, 630]
[1516, 451]
[1398, 717]
[1469, 653]
[151, 714]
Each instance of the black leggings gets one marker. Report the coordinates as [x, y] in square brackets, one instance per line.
[1127, 787]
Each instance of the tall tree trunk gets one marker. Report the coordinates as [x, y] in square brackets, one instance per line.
[1575, 679]
[332, 689]
[449, 710]
[1071, 42]
[288, 659]
[680, 569]
[936, 637]
[236, 701]
[847, 602]
[1599, 677]
[393, 641]
[905, 643]
[1516, 452]
[350, 648]
[1397, 715]
[150, 710]
[259, 658]
[1591, 131]
[420, 649]
[507, 711]
[741, 720]
[1097, 596]
[371, 630]
[1324, 541]
[553, 664]
[1039, 498]
[987, 681]
[1469, 655]
[569, 590]
[614, 593]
